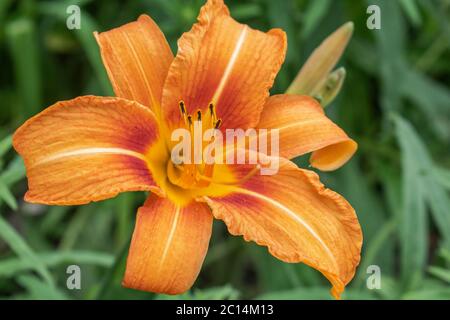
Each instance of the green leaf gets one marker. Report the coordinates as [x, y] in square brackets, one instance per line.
[7, 196]
[413, 220]
[21, 248]
[378, 247]
[76, 226]
[85, 37]
[431, 97]
[379, 242]
[390, 288]
[53, 219]
[276, 12]
[124, 219]
[391, 44]
[442, 176]
[108, 278]
[271, 271]
[309, 293]
[445, 253]
[420, 188]
[4, 6]
[441, 273]
[439, 203]
[314, 293]
[87, 40]
[313, 15]
[226, 292]
[14, 172]
[412, 12]
[422, 168]
[442, 293]
[24, 49]
[13, 266]
[5, 145]
[390, 52]
[246, 11]
[38, 289]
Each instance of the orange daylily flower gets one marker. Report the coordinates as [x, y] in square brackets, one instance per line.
[92, 148]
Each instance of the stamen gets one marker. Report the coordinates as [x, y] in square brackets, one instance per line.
[247, 177]
[212, 111]
[182, 107]
[192, 174]
[211, 108]
[183, 111]
[179, 167]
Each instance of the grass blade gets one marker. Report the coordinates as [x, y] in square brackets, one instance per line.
[5, 145]
[23, 46]
[14, 266]
[21, 248]
[413, 219]
[37, 289]
[440, 273]
[7, 196]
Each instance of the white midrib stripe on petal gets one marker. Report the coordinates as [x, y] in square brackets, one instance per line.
[141, 68]
[170, 237]
[230, 65]
[90, 151]
[293, 216]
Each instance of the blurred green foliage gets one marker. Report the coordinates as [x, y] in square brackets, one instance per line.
[395, 103]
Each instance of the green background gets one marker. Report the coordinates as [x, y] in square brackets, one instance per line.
[395, 103]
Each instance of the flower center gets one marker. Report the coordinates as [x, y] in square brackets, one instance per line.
[194, 174]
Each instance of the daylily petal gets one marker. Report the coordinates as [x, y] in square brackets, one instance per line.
[297, 218]
[226, 63]
[87, 149]
[305, 128]
[137, 58]
[168, 246]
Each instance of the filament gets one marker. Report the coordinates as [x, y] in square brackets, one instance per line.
[247, 177]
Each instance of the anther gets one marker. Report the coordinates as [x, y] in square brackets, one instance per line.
[182, 108]
[218, 124]
[189, 118]
[212, 111]
[199, 115]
